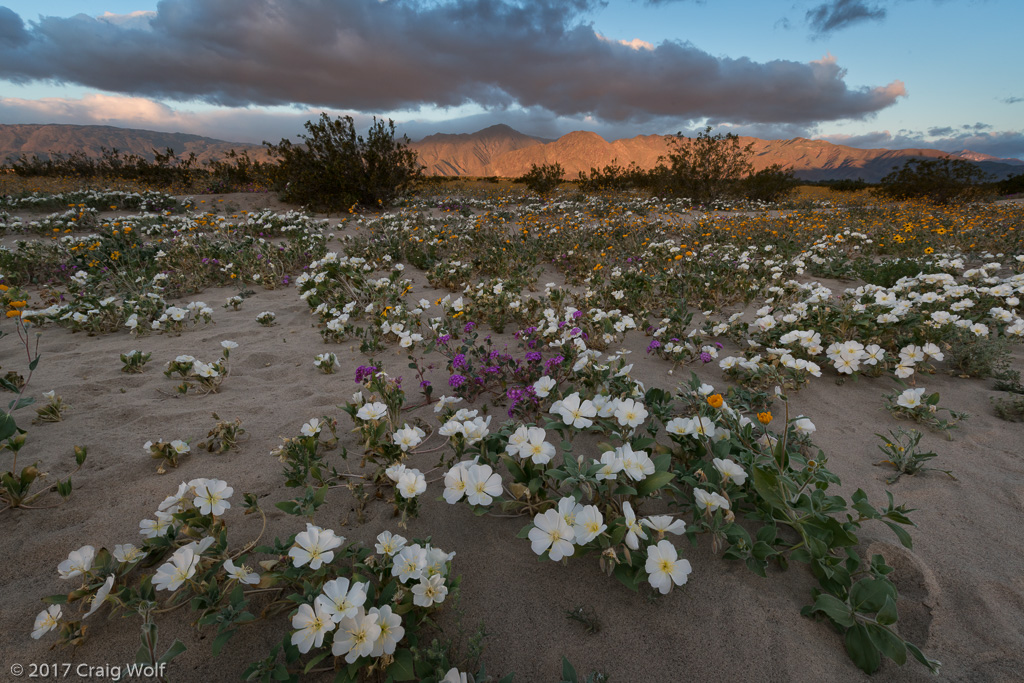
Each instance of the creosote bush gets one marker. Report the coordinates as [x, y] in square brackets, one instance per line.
[544, 178]
[943, 181]
[334, 168]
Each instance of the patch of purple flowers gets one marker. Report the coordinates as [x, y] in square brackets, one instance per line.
[364, 372]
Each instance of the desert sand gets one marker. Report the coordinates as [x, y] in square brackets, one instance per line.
[961, 587]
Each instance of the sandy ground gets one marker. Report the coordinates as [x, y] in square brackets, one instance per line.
[961, 588]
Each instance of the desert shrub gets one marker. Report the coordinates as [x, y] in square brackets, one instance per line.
[1012, 185]
[238, 172]
[973, 356]
[613, 177]
[335, 168]
[770, 184]
[1010, 409]
[544, 178]
[705, 168]
[943, 181]
[846, 185]
[166, 169]
[887, 272]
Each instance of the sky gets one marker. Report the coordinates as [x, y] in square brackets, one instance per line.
[944, 74]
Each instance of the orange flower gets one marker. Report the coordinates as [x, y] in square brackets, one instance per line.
[715, 400]
[764, 418]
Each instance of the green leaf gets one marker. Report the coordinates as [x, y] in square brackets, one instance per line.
[662, 462]
[402, 668]
[653, 482]
[316, 660]
[628, 576]
[836, 609]
[289, 506]
[568, 671]
[221, 640]
[781, 454]
[888, 643]
[525, 531]
[901, 534]
[861, 650]
[888, 615]
[35, 362]
[23, 402]
[149, 639]
[869, 595]
[514, 469]
[7, 426]
[766, 484]
[932, 664]
[176, 648]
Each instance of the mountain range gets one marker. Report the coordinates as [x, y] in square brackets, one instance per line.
[503, 151]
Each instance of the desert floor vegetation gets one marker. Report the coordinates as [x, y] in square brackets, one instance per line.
[482, 432]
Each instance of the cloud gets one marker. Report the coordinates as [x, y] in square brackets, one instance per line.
[839, 14]
[1013, 100]
[133, 20]
[1004, 144]
[370, 56]
[12, 30]
[233, 125]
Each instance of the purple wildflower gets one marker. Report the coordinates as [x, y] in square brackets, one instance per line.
[456, 381]
[551, 363]
[364, 372]
[653, 346]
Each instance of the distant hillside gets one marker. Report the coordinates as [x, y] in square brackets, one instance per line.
[509, 153]
[503, 151]
[43, 139]
[470, 153]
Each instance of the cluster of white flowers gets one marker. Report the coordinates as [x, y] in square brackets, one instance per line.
[409, 482]
[467, 425]
[341, 606]
[559, 531]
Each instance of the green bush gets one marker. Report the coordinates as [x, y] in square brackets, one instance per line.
[943, 181]
[1009, 186]
[544, 178]
[770, 184]
[705, 168]
[335, 169]
[614, 177]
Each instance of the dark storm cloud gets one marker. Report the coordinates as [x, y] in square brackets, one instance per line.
[838, 14]
[12, 30]
[366, 55]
